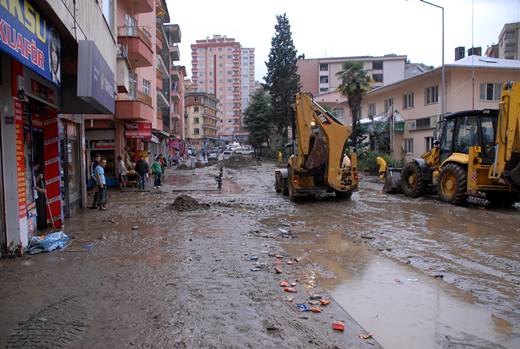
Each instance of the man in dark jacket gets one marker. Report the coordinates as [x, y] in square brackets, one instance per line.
[141, 167]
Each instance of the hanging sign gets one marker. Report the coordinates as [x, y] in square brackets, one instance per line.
[28, 37]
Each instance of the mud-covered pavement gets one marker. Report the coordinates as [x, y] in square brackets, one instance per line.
[414, 273]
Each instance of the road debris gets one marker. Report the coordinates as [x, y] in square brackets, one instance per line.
[48, 243]
[284, 284]
[316, 309]
[315, 297]
[187, 203]
[277, 270]
[290, 290]
[302, 307]
[365, 336]
[324, 301]
[338, 325]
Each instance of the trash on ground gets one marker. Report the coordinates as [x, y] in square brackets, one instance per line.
[302, 307]
[397, 280]
[284, 284]
[365, 336]
[290, 290]
[338, 325]
[289, 262]
[283, 231]
[290, 299]
[253, 258]
[315, 297]
[367, 237]
[135, 227]
[438, 276]
[314, 302]
[293, 284]
[325, 301]
[414, 280]
[316, 309]
[255, 269]
[277, 270]
[48, 243]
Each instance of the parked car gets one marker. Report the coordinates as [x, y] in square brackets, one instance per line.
[247, 151]
[227, 154]
[212, 156]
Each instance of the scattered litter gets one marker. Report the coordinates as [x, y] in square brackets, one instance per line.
[314, 302]
[438, 276]
[325, 301]
[277, 270]
[315, 297]
[253, 258]
[48, 243]
[278, 256]
[284, 284]
[283, 231]
[265, 252]
[255, 269]
[302, 307]
[303, 317]
[290, 299]
[414, 280]
[316, 309]
[293, 284]
[290, 262]
[338, 325]
[290, 290]
[365, 336]
[135, 227]
[367, 237]
[397, 280]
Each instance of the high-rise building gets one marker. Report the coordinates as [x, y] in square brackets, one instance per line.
[508, 41]
[218, 67]
[248, 75]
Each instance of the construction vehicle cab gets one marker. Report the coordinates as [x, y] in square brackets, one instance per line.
[477, 154]
[318, 163]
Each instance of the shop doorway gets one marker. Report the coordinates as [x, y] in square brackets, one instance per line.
[70, 161]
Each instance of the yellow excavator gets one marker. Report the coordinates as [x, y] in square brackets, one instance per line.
[318, 163]
[477, 154]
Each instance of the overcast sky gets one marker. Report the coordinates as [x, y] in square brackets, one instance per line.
[335, 28]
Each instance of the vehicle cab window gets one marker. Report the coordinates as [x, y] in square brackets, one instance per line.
[466, 134]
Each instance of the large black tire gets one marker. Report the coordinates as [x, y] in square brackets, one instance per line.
[452, 186]
[285, 186]
[412, 181]
[344, 195]
[502, 198]
[291, 191]
[278, 182]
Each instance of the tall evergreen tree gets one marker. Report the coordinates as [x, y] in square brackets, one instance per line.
[257, 119]
[282, 80]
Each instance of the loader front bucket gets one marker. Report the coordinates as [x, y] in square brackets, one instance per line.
[392, 181]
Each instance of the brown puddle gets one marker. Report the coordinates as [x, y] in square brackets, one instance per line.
[401, 307]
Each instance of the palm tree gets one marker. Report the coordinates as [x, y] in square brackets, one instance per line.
[354, 84]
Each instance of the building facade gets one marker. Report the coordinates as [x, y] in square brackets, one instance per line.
[508, 41]
[474, 82]
[201, 120]
[218, 67]
[247, 59]
[55, 67]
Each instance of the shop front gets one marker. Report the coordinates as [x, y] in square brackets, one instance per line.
[102, 141]
[139, 140]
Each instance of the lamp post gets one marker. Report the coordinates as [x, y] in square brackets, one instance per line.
[443, 71]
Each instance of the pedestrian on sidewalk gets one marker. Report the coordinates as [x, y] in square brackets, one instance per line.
[123, 173]
[93, 184]
[142, 169]
[102, 188]
[157, 172]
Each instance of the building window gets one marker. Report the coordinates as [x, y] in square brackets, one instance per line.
[408, 101]
[377, 77]
[195, 120]
[428, 143]
[371, 109]
[338, 112]
[408, 145]
[147, 87]
[389, 102]
[108, 13]
[422, 123]
[324, 79]
[377, 65]
[431, 95]
[195, 109]
[324, 89]
[196, 131]
[324, 67]
[490, 91]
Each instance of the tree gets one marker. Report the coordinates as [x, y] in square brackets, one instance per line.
[282, 80]
[257, 119]
[354, 84]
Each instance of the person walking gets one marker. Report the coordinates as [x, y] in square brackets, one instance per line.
[93, 181]
[142, 169]
[123, 172]
[157, 171]
[101, 183]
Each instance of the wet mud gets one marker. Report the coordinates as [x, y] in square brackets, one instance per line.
[413, 273]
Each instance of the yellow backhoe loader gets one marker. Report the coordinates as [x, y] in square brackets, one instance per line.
[477, 154]
[318, 163]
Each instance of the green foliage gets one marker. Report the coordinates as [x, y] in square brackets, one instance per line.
[354, 84]
[282, 80]
[367, 161]
[258, 118]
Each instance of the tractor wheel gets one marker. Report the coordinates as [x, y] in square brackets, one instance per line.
[502, 198]
[452, 186]
[291, 191]
[278, 182]
[344, 195]
[412, 182]
[285, 186]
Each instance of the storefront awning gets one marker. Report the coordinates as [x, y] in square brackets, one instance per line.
[160, 133]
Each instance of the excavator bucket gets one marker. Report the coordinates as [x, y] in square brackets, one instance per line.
[392, 181]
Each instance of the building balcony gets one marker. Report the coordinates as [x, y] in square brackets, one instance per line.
[162, 101]
[174, 33]
[135, 108]
[175, 116]
[161, 67]
[139, 6]
[175, 53]
[138, 44]
[176, 96]
[159, 40]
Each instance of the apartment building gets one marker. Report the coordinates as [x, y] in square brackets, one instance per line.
[177, 76]
[508, 41]
[248, 87]
[217, 68]
[473, 82]
[57, 62]
[201, 120]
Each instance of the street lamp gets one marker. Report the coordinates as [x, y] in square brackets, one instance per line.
[443, 71]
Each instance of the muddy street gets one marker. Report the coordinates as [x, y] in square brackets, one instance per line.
[154, 272]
